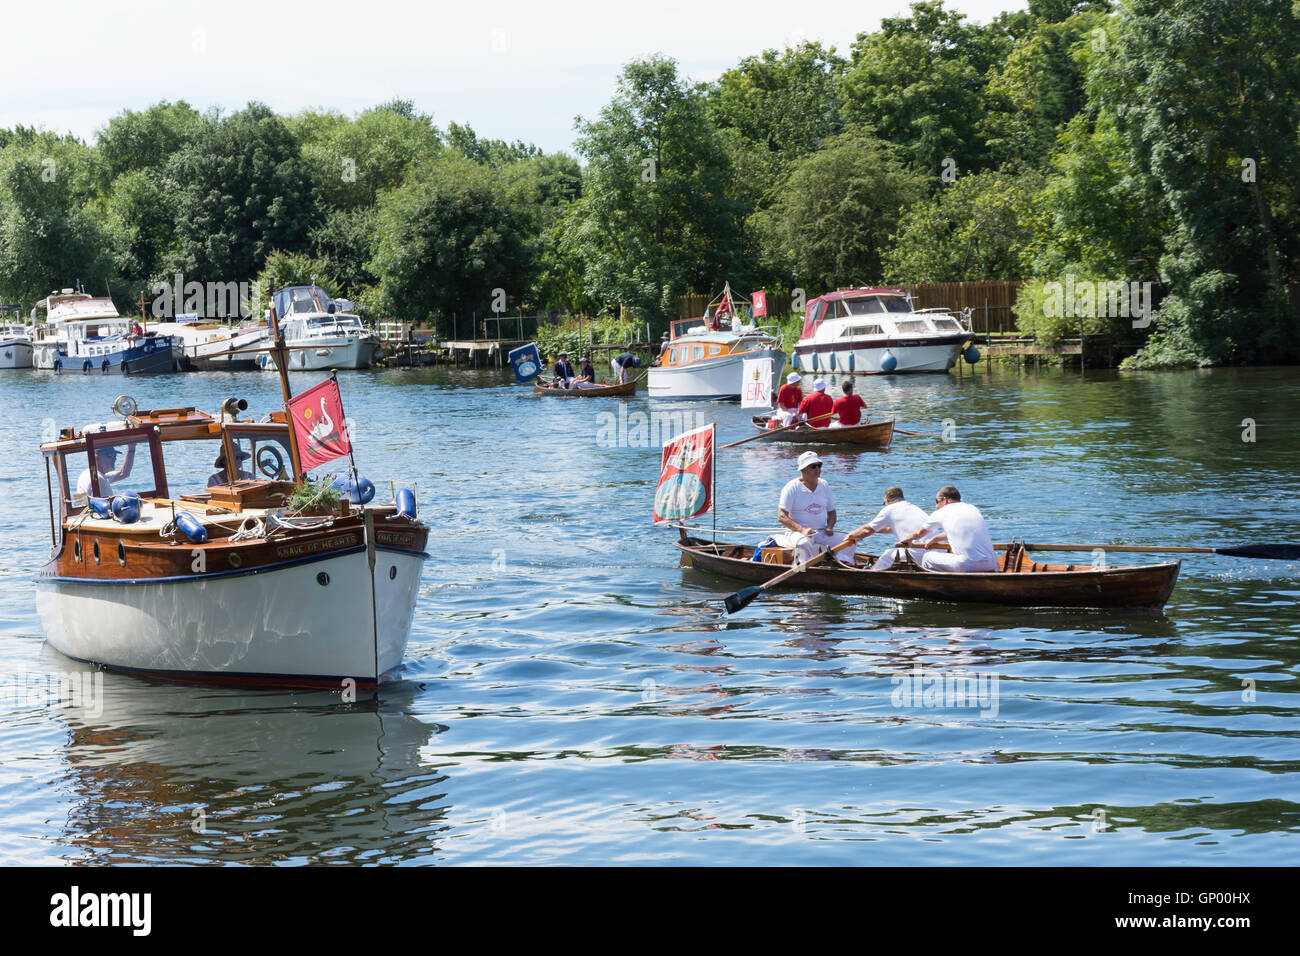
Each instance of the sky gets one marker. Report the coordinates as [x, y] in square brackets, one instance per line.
[509, 68]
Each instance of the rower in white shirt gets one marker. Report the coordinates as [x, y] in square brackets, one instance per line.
[962, 528]
[898, 517]
[807, 510]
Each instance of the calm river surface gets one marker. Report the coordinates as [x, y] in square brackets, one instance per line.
[571, 695]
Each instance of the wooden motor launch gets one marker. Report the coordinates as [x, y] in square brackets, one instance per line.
[157, 568]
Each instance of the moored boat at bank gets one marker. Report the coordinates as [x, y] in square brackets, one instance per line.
[85, 333]
[704, 358]
[319, 335]
[877, 331]
[15, 346]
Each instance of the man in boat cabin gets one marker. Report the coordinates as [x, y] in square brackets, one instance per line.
[587, 377]
[563, 371]
[848, 407]
[787, 401]
[900, 518]
[807, 511]
[816, 409]
[962, 528]
[222, 475]
[106, 466]
[621, 363]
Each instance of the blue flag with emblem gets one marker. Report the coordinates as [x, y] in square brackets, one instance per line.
[527, 362]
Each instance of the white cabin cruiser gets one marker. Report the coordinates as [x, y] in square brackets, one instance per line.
[704, 358]
[15, 346]
[876, 331]
[318, 334]
[85, 333]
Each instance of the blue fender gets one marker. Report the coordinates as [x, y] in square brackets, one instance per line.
[406, 504]
[191, 527]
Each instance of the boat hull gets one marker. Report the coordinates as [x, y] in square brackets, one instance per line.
[279, 625]
[15, 354]
[346, 352]
[935, 354]
[151, 357]
[713, 378]
[1146, 588]
[627, 388]
[873, 435]
[222, 355]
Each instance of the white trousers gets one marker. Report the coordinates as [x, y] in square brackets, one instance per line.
[887, 558]
[805, 548]
[619, 371]
[947, 561]
[783, 417]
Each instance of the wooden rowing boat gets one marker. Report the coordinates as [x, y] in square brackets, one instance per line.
[596, 391]
[876, 435]
[1025, 583]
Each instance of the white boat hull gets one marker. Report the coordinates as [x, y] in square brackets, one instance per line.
[714, 378]
[328, 353]
[938, 356]
[276, 625]
[15, 354]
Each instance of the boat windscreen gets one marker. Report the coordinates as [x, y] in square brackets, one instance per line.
[123, 467]
[268, 456]
[876, 304]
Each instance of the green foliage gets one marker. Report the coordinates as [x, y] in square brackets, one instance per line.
[970, 230]
[295, 268]
[574, 338]
[314, 496]
[1053, 308]
[446, 239]
[148, 140]
[352, 161]
[839, 207]
[655, 219]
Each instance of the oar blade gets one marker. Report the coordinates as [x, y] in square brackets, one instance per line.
[1278, 552]
[741, 599]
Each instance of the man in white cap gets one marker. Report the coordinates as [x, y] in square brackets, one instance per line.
[788, 399]
[817, 408]
[807, 512]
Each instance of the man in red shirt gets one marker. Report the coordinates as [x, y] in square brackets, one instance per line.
[816, 409]
[849, 406]
[788, 399]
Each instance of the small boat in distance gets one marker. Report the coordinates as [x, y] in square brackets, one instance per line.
[320, 335]
[874, 435]
[591, 391]
[16, 346]
[1020, 583]
[704, 358]
[876, 331]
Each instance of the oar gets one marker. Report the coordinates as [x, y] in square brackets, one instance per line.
[741, 599]
[773, 431]
[1278, 552]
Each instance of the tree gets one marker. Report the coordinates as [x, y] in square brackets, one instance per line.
[838, 210]
[447, 239]
[1206, 93]
[241, 191]
[655, 218]
[148, 140]
[353, 161]
[970, 230]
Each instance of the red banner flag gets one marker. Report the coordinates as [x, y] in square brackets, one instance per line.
[685, 488]
[759, 300]
[318, 424]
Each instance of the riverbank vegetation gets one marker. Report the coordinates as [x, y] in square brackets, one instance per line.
[1142, 141]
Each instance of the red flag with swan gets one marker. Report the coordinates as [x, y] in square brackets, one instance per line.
[319, 425]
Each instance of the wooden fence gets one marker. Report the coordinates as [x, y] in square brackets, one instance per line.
[990, 302]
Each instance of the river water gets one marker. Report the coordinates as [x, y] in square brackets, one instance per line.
[572, 695]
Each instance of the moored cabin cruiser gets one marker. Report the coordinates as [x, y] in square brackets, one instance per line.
[319, 334]
[15, 346]
[214, 346]
[704, 358]
[84, 333]
[876, 331]
[158, 567]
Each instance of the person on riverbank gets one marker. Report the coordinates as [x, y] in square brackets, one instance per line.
[807, 511]
[621, 363]
[787, 401]
[816, 409]
[563, 371]
[962, 528]
[848, 407]
[898, 517]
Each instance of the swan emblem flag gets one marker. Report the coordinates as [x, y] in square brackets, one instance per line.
[318, 424]
[685, 488]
